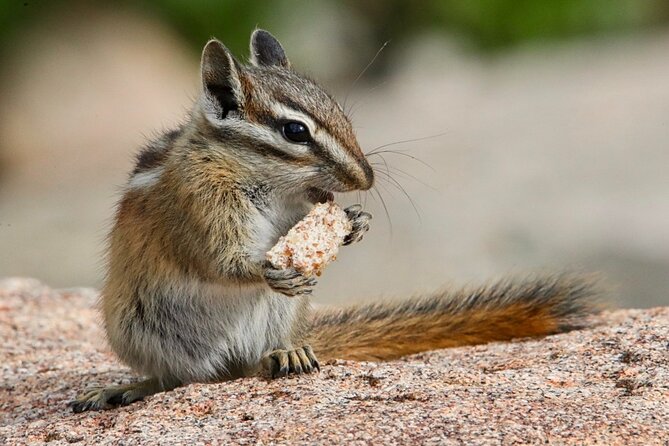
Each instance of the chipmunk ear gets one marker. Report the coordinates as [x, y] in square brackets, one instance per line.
[266, 50]
[220, 78]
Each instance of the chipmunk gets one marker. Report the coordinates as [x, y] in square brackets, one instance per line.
[188, 295]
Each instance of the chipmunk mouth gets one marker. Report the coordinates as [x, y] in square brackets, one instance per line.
[317, 195]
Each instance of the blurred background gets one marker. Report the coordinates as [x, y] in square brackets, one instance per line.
[546, 127]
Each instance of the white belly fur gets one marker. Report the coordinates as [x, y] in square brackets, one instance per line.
[215, 329]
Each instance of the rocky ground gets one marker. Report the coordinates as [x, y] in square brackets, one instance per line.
[607, 385]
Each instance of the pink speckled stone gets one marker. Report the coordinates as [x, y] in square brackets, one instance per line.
[608, 385]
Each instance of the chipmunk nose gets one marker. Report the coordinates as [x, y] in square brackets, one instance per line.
[368, 175]
[358, 176]
[361, 177]
[358, 173]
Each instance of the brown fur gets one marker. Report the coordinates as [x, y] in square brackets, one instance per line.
[499, 312]
[188, 295]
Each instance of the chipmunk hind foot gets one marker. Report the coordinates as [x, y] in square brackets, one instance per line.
[102, 398]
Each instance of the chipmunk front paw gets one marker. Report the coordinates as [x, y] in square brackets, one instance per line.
[281, 362]
[359, 221]
[289, 281]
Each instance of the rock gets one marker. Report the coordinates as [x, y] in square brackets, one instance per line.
[607, 385]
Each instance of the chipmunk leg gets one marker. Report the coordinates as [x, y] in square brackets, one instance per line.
[281, 362]
[359, 221]
[100, 398]
[288, 281]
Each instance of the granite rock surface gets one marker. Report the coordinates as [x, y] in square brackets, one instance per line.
[605, 385]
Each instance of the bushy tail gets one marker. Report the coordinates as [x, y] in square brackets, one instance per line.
[498, 312]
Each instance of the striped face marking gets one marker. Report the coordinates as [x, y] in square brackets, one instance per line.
[278, 115]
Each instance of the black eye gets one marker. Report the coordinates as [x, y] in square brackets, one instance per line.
[296, 132]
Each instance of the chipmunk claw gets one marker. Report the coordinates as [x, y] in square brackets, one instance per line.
[359, 222]
[101, 398]
[280, 362]
[289, 281]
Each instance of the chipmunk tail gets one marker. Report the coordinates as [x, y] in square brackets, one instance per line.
[500, 311]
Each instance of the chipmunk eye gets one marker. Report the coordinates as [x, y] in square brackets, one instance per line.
[296, 132]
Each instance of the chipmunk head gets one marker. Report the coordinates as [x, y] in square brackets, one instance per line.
[280, 123]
